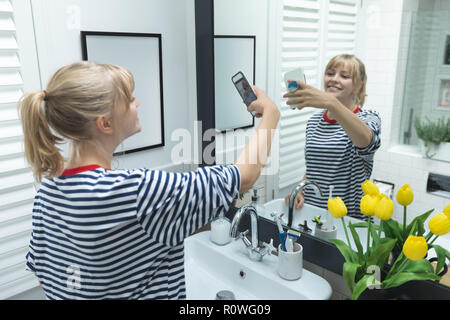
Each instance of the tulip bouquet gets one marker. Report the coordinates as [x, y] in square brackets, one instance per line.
[406, 242]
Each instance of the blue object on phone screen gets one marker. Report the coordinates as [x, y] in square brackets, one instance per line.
[293, 86]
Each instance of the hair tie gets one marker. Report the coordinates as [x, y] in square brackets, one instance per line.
[45, 95]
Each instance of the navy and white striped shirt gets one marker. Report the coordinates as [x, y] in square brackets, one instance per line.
[333, 159]
[118, 234]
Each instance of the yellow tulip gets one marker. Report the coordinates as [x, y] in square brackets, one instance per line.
[447, 210]
[440, 224]
[369, 187]
[384, 208]
[405, 195]
[415, 248]
[337, 207]
[368, 204]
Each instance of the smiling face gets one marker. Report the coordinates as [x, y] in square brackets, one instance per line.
[338, 81]
[345, 78]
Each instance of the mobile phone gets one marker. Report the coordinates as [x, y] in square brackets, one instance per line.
[244, 89]
[296, 74]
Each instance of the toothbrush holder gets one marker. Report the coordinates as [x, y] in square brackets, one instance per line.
[290, 264]
[325, 234]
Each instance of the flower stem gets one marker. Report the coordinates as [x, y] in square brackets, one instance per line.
[380, 228]
[428, 236]
[403, 265]
[368, 235]
[404, 220]
[346, 233]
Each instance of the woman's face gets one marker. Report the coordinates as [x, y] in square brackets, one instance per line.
[129, 119]
[338, 81]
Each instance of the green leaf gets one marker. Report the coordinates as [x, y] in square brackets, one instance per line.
[380, 253]
[401, 278]
[396, 265]
[393, 230]
[365, 225]
[418, 222]
[374, 234]
[349, 272]
[357, 242]
[361, 286]
[441, 254]
[420, 266]
[345, 250]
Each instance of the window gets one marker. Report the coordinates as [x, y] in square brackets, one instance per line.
[313, 31]
[16, 180]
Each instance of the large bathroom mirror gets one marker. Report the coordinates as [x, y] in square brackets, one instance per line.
[364, 34]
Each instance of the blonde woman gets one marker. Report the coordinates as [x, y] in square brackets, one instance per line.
[116, 234]
[341, 139]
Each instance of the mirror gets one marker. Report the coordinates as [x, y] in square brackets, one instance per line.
[232, 54]
[141, 53]
[387, 80]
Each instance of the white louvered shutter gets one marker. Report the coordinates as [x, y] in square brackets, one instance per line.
[16, 180]
[313, 31]
[341, 27]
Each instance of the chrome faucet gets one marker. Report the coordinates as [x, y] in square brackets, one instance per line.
[302, 185]
[255, 252]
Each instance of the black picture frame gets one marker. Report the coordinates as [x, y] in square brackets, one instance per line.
[158, 37]
[252, 37]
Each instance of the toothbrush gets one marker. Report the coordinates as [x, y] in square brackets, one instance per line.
[282, 233]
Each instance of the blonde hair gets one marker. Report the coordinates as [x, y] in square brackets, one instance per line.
[358, 71]
[74, 97]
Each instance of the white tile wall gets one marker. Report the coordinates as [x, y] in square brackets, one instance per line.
[386, 55]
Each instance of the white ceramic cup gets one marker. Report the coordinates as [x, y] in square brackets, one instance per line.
[290, 264]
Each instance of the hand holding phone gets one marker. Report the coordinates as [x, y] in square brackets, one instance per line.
[294, 75]
[244, 89]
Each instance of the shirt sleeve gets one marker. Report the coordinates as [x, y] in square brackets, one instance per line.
[373, 121]
[172, 205]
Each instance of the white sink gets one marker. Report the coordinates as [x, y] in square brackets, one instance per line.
[210, 268]
[307, 212]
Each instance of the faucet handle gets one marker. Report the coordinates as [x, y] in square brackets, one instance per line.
[243, 236]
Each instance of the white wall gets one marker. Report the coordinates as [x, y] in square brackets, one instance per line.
[385, 58]
[58, 24]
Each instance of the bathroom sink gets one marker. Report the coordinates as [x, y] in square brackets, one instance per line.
[210, 268]
[307, 212]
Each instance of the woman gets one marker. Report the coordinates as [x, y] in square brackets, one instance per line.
[116, 234]
[341, 139]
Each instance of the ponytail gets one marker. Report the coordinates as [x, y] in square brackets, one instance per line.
[39, 141]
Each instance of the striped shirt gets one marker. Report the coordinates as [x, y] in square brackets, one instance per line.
[333, 159]
[118, 234]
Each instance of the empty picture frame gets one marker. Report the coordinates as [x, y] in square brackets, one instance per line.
[232, 54]
[141, 54]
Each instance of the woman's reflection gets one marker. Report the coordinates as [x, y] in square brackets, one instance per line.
[341, 139]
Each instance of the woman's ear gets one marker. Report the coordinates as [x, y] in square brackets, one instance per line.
[104, 124]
